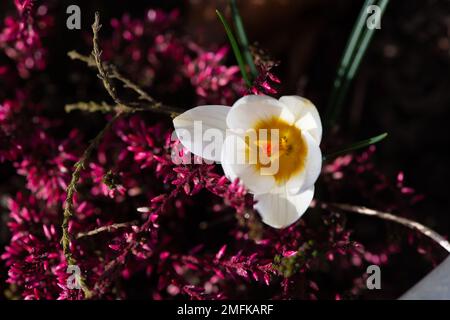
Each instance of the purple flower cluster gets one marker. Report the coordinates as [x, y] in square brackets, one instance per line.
[20, 38]
[163, 61]
[34, 256]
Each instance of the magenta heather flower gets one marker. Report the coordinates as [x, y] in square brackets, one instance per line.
[47, 167]
[33, 255]
[155, 50]
[265, 82]
[21, 36]
[144, 143]
[213, 80]
[105, 183]
[155, 54]
[9, 147]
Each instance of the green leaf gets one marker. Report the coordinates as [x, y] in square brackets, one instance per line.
[356, 146]
[235, 47]
[365, 43]
[242, 37]
[355, 50]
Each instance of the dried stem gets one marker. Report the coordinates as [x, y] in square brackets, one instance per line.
[390, 217]
[109, 228]
[90, 106]
[82, 162]
[102, 71]
[113, 73]
[71, 190]
[131, 85]
[106, 72]
[74, 55]
[103, 107]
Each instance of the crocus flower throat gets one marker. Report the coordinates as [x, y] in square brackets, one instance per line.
[286, 147]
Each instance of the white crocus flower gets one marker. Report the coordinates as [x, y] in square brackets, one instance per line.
[282, 196]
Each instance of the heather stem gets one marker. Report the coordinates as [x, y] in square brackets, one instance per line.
[90, 107]
[102, 107]
[113, 73]
[108, 228]
[105, 73]
[390, 217]
[71, 190]
[96, 54]
[82, 162]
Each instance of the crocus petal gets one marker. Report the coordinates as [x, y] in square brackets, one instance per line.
[306, 115]
[247, 111]
[234, 165]
[313, 166]
[211, 118]
[281, 209]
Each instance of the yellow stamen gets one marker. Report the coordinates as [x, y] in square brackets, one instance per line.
[290, 150]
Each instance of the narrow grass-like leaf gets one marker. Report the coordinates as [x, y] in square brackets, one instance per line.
[354, 66]
[235, 47]
[343, 68]
[356, 146]
[355, 50]
[242, 37]
[365, 43]
[351, 45]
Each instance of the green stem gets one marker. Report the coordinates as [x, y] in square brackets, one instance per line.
[345, 61]
[235, 47]
[354, 52]
[365, 43]
[356, 146]
[242, 36]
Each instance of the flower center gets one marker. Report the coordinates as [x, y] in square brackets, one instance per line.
[276, 148]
